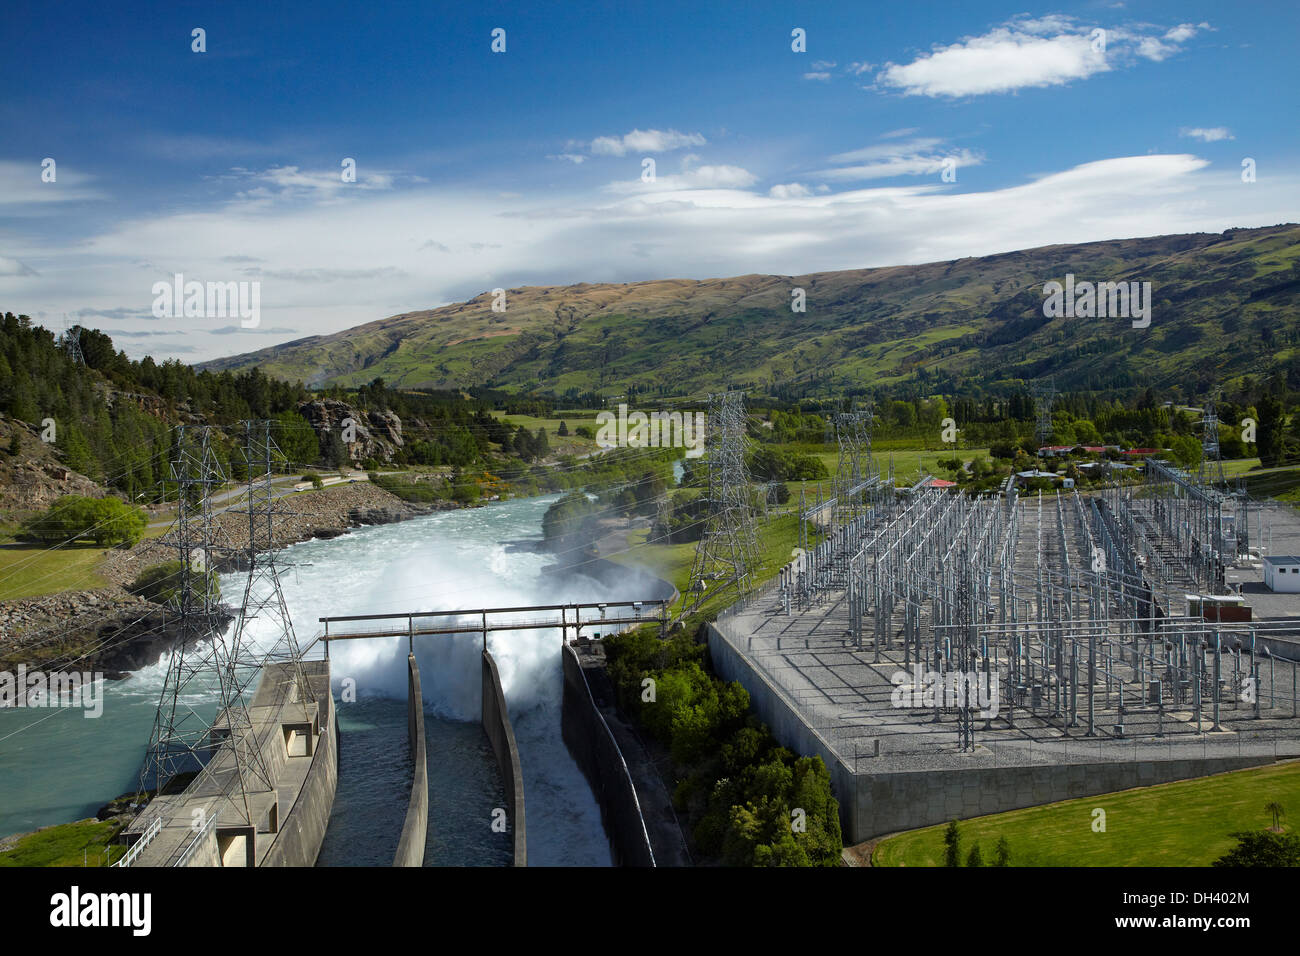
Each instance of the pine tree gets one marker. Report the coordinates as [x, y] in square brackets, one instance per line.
[1002, 856]
[952, 845]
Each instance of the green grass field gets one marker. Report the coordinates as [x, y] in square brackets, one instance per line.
[672, 562]
[84, 843]
[31, 570]
[1174, 824]
[570, 444]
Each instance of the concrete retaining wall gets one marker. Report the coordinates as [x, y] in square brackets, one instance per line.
[302, 827]
[595, 750]
[872, 804]
[886, 802]
[410, 848]
[496, 723]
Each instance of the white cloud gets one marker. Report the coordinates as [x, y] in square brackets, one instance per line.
[817, 76]
[576, 158]
[645, 141]
[697, 177]
[12, 267]
[708, 226]
[1027, 53]
[21, 185]
[998, 62]
[281, 182]
[1211, 135]
[916, 157]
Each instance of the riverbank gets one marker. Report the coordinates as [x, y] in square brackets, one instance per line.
[110, 630]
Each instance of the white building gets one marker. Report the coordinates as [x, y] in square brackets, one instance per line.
[1282, 573]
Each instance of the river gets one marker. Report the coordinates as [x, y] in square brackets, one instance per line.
[56, 765]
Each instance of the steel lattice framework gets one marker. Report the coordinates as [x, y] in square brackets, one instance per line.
[1211, 471]
[1044, 393]
[726, 553]
[263, 594]
[856, 470]
[209, 664]
[72, 342]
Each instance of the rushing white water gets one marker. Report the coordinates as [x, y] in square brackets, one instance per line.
[66, 766]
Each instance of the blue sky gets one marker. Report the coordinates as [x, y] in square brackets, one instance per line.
[477, 169]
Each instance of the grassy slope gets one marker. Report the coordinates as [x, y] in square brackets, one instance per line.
[1174, 824]
[980, 318]
[68, 844]
[672, 562]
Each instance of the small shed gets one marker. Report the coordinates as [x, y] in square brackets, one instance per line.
[1282, 573]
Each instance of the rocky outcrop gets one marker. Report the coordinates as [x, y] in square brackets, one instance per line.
[106, 630]
[374, 434]
[36, 477]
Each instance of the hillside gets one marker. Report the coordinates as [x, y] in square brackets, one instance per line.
[1224, 306]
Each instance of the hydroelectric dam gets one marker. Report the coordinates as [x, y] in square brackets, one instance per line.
[455, 737]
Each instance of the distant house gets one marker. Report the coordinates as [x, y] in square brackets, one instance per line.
[930, 481]
[1143, 452]
[1024, 477]
[1053, 451]
[1282, 573]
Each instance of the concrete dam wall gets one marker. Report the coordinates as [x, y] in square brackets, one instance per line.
[303, 829]
[496, 723]
[410, 848]
[592, 744]
[293, 725]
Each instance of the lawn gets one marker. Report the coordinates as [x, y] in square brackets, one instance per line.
[31, 570]
[1174, 824]
[907, 462]
[86, 842]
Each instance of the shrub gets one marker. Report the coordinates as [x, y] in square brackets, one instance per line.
[104, 520]
[748, 800]
[161, 583]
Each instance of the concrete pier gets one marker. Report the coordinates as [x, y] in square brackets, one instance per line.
[496, 722]
[410, 848]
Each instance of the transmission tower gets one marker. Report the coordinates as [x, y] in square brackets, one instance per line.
[205, 666]
[853, 436]
[1211, 469]
[263, 594]
[727, 549]
[1044, 392]
[72, 342]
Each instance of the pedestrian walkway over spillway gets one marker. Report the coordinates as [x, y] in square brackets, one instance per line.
[592, 617]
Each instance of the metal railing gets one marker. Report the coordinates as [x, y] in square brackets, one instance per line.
[138, 846]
